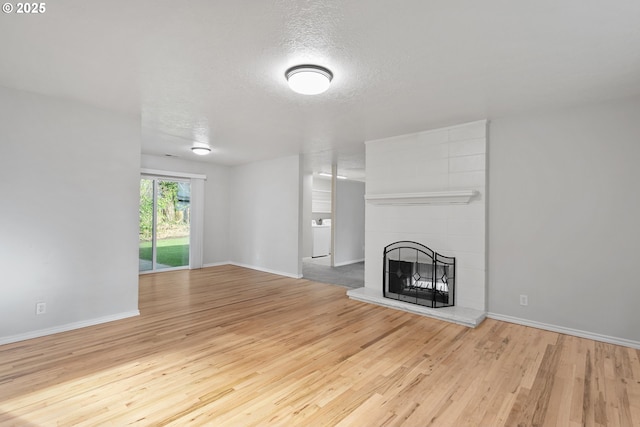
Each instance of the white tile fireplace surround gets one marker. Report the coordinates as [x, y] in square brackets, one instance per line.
[429, 187]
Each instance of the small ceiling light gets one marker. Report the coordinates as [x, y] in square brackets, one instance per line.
[308, 79]
[201, 150]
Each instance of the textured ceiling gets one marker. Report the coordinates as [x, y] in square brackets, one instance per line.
[213, 71]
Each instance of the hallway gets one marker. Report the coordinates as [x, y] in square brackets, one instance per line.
[320, 270]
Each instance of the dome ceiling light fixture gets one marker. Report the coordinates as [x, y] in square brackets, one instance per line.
[309, 79]
[201, 150]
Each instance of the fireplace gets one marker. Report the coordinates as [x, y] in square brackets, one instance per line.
[414, 273]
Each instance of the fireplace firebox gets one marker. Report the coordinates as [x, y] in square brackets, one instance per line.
[414, 273]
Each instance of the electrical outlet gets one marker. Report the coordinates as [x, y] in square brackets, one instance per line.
[524, 300]
[41, 308]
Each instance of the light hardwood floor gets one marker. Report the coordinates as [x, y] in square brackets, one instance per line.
[227, 346]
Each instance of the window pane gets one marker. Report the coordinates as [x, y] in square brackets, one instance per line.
[172, 233]
[146, 225]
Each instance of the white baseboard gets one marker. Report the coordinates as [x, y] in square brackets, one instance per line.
[340, 264]
[567, 331]
[253, 267]
[67, 327]
[267, 270]
[216, 264]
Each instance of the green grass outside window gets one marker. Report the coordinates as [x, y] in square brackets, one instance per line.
[173, 252]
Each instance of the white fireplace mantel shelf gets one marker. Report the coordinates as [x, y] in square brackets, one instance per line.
[455, 197]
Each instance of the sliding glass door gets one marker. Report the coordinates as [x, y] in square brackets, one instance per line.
[165, 218]
[146, 228]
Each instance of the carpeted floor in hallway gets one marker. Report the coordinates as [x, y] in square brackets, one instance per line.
[320, 270]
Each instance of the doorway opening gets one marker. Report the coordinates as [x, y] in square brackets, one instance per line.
[333, 243]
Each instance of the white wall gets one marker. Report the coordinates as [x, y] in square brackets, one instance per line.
[69, 177]
[348, 222]
[265, 215]
[216, 198]
[307, 232]
[437, 160]
[564, 218]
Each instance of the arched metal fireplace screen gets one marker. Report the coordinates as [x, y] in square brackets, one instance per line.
[416, 274]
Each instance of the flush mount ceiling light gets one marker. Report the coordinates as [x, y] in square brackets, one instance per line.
[201, 150]
[308, 79]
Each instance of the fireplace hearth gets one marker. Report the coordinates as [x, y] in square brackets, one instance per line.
[415, 274]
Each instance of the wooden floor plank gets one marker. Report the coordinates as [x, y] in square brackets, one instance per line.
[232, 346]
